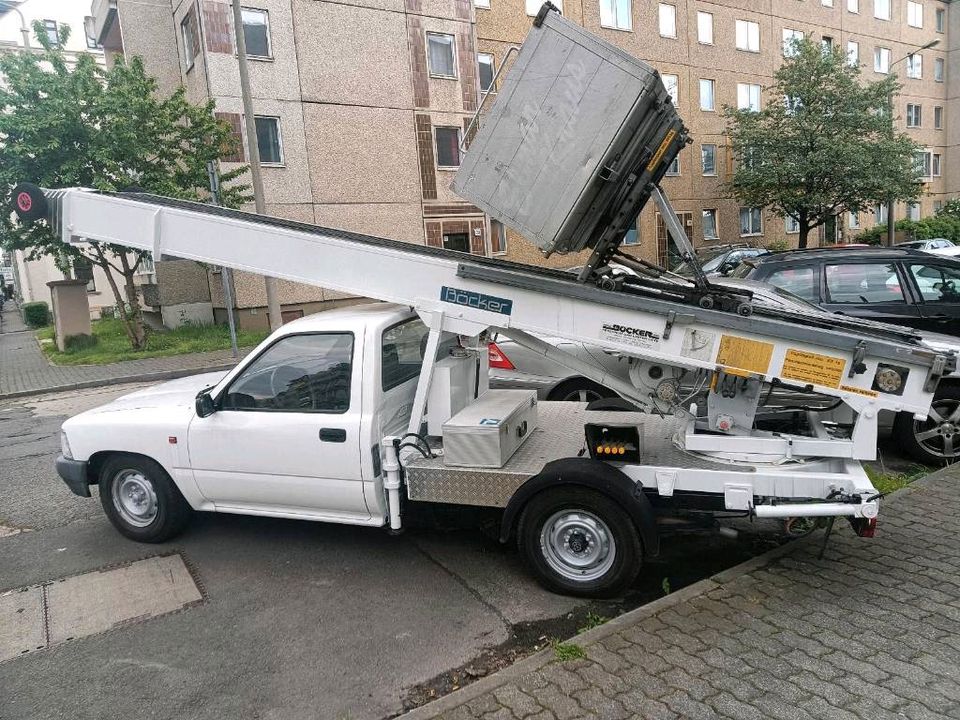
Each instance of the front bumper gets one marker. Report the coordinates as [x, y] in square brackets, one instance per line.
[74, 474]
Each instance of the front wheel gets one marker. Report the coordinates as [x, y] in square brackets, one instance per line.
[141, 500]
[936, 440]
[579, 542]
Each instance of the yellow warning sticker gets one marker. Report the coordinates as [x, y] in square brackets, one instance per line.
[859, 391]
[744, 354]
[808, 367]
[658, 155]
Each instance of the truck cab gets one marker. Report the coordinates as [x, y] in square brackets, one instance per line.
[292, 431]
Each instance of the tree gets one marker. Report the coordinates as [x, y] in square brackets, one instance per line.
[63, 126]
[823, 144]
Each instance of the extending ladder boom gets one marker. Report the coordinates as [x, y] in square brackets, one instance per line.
[467, 295]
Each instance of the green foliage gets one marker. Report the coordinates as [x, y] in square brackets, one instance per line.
[592, 620]
[111, 345]
[76, 343]
[36, 314]
[938, 226]
[65, 125]
[823, 144]
[951, 208]
[565, 651]
[665, 586]
[877, 235]
[778, 246]
[886, 482]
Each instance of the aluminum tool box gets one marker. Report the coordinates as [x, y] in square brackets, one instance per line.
[489, 431]
[570, 149]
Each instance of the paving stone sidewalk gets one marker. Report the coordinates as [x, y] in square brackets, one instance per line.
[871, 632]
[25, 371]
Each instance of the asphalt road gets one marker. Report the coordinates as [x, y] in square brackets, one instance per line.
[299, 620]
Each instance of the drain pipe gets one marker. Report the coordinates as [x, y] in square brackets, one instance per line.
[391, 482]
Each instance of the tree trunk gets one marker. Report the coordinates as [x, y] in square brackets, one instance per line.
[804, 232]
[131, 320]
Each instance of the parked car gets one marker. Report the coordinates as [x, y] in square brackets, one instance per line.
[721, 259]
[934, 245]
[933, 441]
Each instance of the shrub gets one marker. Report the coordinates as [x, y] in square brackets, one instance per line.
[36, 314]
[74, 343]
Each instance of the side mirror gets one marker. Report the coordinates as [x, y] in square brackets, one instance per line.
[205, 405]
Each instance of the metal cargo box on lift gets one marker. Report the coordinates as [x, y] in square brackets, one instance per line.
[577, 137]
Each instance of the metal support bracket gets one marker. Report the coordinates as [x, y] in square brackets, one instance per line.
[858, 367]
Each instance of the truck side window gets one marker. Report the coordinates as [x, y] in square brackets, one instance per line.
[402, 348]
[298, 373]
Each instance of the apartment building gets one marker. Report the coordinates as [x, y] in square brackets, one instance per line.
[713, 54]
[360, 111]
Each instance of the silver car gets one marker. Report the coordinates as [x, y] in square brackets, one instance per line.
[514, 366]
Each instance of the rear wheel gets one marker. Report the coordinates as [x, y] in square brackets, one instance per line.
[936, 440]
[579, 542]
[141, 500]
[579, 390]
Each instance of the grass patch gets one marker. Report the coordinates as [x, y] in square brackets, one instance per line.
[886, 482]
[110, 343]
[568, 651]
[592, 620]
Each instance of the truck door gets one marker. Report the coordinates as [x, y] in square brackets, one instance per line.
[286, 433]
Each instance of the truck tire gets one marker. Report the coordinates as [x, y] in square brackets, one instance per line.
[141, 500]
[936, 440]
[579, 542]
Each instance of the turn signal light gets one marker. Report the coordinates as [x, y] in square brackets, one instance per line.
[498, 359]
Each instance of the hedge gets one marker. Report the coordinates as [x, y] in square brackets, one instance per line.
[36, 314]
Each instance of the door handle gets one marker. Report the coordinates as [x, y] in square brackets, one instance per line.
[337, 435]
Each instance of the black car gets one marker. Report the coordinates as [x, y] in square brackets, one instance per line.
[895, 285]
[721, 259]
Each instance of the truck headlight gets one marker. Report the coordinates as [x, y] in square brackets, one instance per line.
[65, 446]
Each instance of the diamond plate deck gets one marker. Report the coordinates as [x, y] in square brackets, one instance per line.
[559, 435]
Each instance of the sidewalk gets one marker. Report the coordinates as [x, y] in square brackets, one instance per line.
[25, 371]
[872, 631]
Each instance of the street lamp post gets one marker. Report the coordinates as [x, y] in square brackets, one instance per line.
[891, 231]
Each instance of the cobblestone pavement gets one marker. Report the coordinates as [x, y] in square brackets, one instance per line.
[24, 370]
[872, 631]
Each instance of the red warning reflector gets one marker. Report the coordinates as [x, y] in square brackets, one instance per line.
[172, 439]
[868, 528]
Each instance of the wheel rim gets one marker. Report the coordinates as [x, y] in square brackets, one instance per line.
[939, 434]
[578, 545]
[134, 498]
[582, 395]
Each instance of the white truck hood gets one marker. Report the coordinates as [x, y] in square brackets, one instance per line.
[175, 393]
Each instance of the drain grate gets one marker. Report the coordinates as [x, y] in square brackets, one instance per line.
[41, 616]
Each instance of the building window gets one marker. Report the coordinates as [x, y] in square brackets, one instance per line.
[708, 159]
[269, 143]
[459, 241]
[748, 96]
[791, 225]
[853, 53]
[256, 32]
[705, 28]
[482, 4]
[674, 169]
[617, 14]
[191, 40]
[448, 147]
[935, 164]
[914, 14]
[707, 101]
[927, 164]
[789, 36]
[881, 9]
[668, 20]
[710, 224]
[881, 60]
[52, 32]
[913, 211]
[941, 19]
[826, 3]
[92, 43]
[826, 43]
[915, 66]
[498, 237]
[853, 220]
[880, 214]
[672, 84]
[441, 55]
[937, 206]
[533, 6]
[914, 119]
[83, 270]
[938, 69]
[853, 6]
[748, 36]
[751, 222]
[485, 66]
[938, 118]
